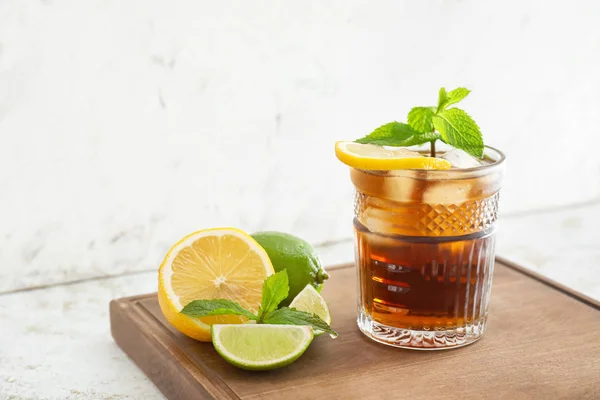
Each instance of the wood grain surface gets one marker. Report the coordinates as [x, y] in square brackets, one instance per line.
[541, 343]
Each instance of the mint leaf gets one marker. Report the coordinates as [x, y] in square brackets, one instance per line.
[420, 119]
[456, 95]
[458, 129]
[442, 99]
[291, 316]
[204, 308]
[416, 139]
[420, 139]
[390, 134]
[448, 98]
[275, 289]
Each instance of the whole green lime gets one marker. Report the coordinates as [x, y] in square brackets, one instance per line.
[295, 255]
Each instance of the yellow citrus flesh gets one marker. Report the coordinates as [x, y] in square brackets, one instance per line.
[222, 263]
[372, 157]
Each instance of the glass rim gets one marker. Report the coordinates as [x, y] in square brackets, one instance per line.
[498, 163]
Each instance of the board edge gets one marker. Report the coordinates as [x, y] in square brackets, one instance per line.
[124, 322]
[575, 294]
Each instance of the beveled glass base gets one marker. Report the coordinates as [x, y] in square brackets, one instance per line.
[421, 340]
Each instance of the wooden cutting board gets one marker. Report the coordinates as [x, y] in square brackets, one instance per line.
[542, 342]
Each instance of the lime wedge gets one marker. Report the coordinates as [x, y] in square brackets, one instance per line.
[261, 346]
[310, 301]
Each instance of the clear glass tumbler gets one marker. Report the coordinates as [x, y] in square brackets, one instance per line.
[424, 243]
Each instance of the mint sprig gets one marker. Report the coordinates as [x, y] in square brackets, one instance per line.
[428, 124]
[275, 290]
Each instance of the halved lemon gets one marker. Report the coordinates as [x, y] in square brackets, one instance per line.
[372, 157]
[221, 263]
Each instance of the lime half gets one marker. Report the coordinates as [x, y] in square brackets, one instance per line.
[310, 301]
[261, 346]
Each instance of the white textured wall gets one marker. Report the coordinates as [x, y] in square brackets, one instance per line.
[126, 124]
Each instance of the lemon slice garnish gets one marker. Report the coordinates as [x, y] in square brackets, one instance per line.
[372, 157]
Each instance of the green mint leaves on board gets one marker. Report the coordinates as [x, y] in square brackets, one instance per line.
[291, 316]
[205, 308]
[275, 290]
[428, 124]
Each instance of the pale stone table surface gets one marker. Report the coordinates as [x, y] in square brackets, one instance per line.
[55, 342]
